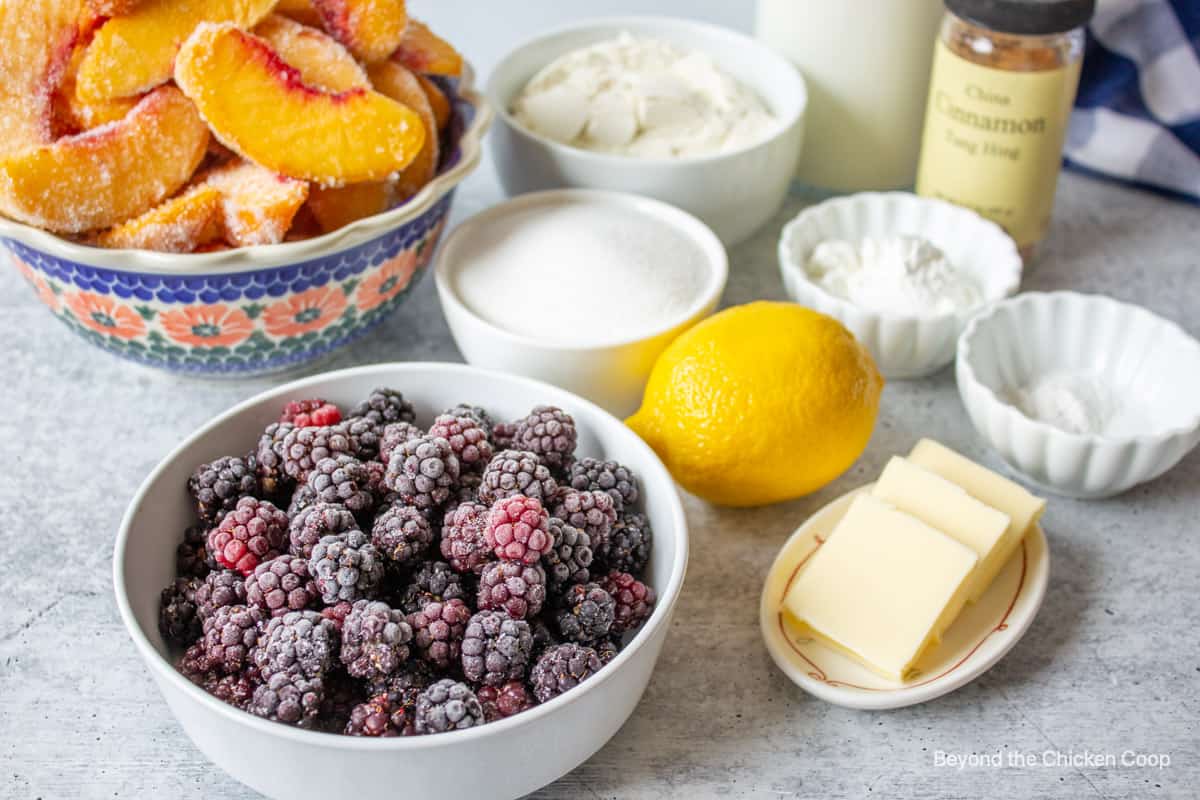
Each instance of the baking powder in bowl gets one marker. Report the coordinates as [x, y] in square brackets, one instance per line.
[581, 272]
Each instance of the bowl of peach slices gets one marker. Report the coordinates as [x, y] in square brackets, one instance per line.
[227, 187]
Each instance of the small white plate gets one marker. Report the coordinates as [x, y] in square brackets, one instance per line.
[980, 637]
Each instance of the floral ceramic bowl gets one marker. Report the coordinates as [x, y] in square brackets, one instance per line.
[252, 310]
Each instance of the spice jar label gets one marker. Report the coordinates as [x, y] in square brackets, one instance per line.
[993, 140]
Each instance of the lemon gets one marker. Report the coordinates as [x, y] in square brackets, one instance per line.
[760, 403]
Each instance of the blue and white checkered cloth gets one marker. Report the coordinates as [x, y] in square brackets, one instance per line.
[1137, 117]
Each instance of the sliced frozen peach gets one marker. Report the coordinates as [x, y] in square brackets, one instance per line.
[260, 107]
[36, 41]
[322, 62]
[437, 100]
[109, 174]
[178, 225]
[338, 206]
[134, 53]
[402, 86]
[301, 11]
[73, 114]
[423, 51]
[257, 206]
[372, 29]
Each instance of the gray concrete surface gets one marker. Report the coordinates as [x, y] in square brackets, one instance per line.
[1111, 665]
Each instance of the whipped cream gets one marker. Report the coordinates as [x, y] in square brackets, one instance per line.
[896, 274]
[642, 97]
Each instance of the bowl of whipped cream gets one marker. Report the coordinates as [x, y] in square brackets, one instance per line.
[695, 115]
[904, 273]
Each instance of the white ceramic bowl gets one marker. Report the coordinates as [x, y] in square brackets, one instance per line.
[493, 761]
[903, 346]
[1150, 366]
[735, 193]
[611, 374]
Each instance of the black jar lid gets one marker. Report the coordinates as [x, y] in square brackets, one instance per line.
[1025, 17]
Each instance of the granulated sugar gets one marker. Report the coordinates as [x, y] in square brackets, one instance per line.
[580, 272]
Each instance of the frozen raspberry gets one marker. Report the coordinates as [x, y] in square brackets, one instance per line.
[496, 648]
[629, 544]
[375, 640]
[346, 567]
[447, 706]
[231, 636]
[342, 479]
[385, 406]
[517, 529]
[464, 538]
[289, 697]
[481, 417]
[594, 475]
[281, 585]
[500, 702]
[402, 533]
[504, 435]
[220, 588]
[253, 532]
[467, 439]
[438, 631]
[303, 642]
[432, 581]
[513, 587]
[586, 613]
[314, 413]
[191, 556]
[177, 618]
[513, 472]
[315, 522]
[562, 668]
[379, 717]
[394, 435]
[635, 600]
[268, 458]
[217, 486]
[304, 447]
[549, 433]
[423, 471]
[570, 556]
[592, 512]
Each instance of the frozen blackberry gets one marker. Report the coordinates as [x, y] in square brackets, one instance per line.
[281, 585]
[549, 433]
[236, 689]
[402, 533]
[438, 630]
[217, 486]
[220, 588]
[342, 479]
[379, 717]
[289, 697]
[500, 702]
[304, 447]
[394, 435]
[586, 614]
[195, 664]
[481, 417]
[375, 639]
[592, 512]
[467, 439]
[346, 566]
[569, 559]
[432, 581]
[562, 668]
[447, 706]
[607, 649]
[303, 497]
[366, 437]
[314, 523]
[504, 435]
[517, 529]
[177, 618]
[385, 406]
[513, 472]
[467, 491]
[592, 474]
[337, 613]
[303, 642]
[231, 637]
[191, 556]
[544, 634]
[313, 413]
[268, 458]
[496, 648]
[423, 471]
[635, 600]
[629, 544]
[404, 685]
[464, 538]
[377, 483]
[254, 531]
[513, 587]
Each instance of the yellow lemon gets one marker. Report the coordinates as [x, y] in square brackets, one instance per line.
[760, 403]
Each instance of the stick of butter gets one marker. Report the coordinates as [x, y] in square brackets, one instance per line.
[883, 587]
[947, 506]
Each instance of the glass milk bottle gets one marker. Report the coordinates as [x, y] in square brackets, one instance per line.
[866, 63]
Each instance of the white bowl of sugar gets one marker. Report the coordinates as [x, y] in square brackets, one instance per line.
[583, 289]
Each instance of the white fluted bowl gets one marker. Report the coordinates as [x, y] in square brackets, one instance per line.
[903, 346]
[1149, 365]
